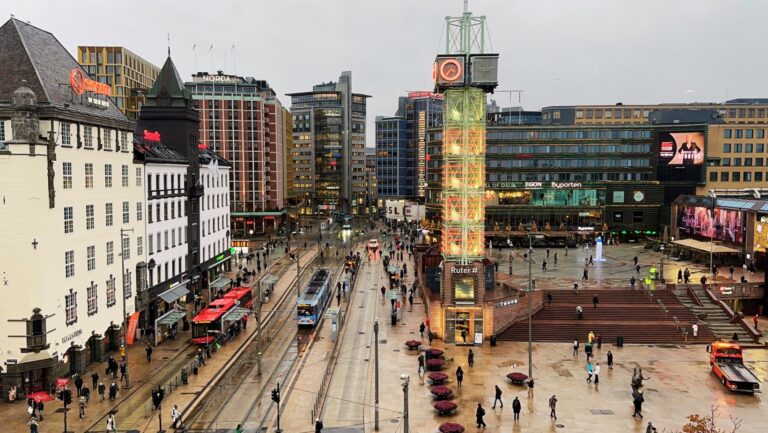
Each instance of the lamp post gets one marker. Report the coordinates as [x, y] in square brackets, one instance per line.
[123, 235]
[405, 379]
[376, 359]
[712, 237]
[530, 305]
[661, 264]
[258, 331]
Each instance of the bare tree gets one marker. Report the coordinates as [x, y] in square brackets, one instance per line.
[708, 424]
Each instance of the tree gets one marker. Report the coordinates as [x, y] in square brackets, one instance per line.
[708, 424]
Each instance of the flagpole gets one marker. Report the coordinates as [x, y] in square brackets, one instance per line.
[194, 51]
[210, 52]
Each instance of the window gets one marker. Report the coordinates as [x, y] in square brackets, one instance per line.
[758, 176]
[66, 135]
[127, 285]
[727, 133]
[749, 133]
[139, 211]
[125, 175]
[713, 176]
[150, 244]
[726, 147]
[111, 291]
[126, 212]
[110, 252]
[166, 240]
[736, 162]
[93, 303]
[138, 176]
[173, 210]
[761, 133]
[126, 248]
[91, 250]
[88, 137]
[637, 216]
[108, 175]
[173, 238]
[124, 141]
[747, 162]
[739, 133]
[159, 243]
[69, 264]
[70, 306]
[759, 147]
[66, 172]
[89, 175]
[107, 139]
[736, 176]
[747, 176]
[165, 211]
[140, 246]
[69, 224]
[108, 213]
[726, 162]
[724, 176]
[748, 147]
[89, 217]
[737, 147]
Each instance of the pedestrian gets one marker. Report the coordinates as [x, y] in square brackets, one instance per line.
[576, 287]
[464, 335]
[122, 351]
[149, 352]
[78, 384]
[590, 337]
[597, 373]
[530, 387]
[430, 336]
[686, 276]
[599, 339]
[421, 329]
[318, 426]
[459, 375]
[635, 260]
[479, 414]
[650, 428]
[471, 358]
[638, 403]
[585, 275]
[547, 252]
[40, 408]
[730, 273]
[553, 407]
[31, 408]
[421, 363]
[549, 296]
[81, 405]
[32, 424]
[200, 357]
[575, 348]
[111, 426]
[175, 417]
[566, 251]
[590, 372]
[544, 265]
[610, 360]
[595, 300]
[113, 391]
[123, 369]
[637, 269]
[94, 379]
[632, 282]
[679, 276]
[101, 389]
[695, 329]
[516, 406]
[579, 312]
[555, 259]
[338, 298]
[497, 397]
[756, 320]
[410, 300]
[87, 394]
[591, 263]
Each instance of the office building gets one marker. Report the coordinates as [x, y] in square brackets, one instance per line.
[401, 145]
[371, 198]
[242, 120]
[70, 189]
[329, 148]
[129, 75]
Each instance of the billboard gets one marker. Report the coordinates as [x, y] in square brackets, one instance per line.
[681, 148]
[400, 210]
[727, 225]
[761, 234]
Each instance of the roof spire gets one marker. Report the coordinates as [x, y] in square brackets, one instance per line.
[169, 44]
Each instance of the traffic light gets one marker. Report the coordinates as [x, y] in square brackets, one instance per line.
[276, 395]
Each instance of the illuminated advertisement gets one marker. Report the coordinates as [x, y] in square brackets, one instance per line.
[761, 234]
[728, 225]
[464, 289]
[681, 148]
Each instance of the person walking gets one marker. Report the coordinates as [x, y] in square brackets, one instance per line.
[123, 370]
[595, 300]
[516, 406]
[579, 312]
[175, 417]
[549, 298]
[94, 380]
[553, 407]
[679, 276]
[632, 282]
[695, 329]
[459, 375]
[591, 263]
[497, 397]
[730, 273]
[544, 265]
[81, 405]
[610, 360]
[421, 363]
[32, 424]
[590, 371]
[555, 261]
[101, 389]
[471, 358]
[530, 387]
[113, 391]
[40, 408]
[635, 260]
[597, 373]
[78, 384]
[111, 425]
[756, 320]
[149, 352]
[547, 252]
[585, 275]
[87, 394]
[637, 401]
[122, 351]
[338, 298]
[599, 340]
[479, 414]
[637, 269]
[575, 348]
[421, 329]
[318, 426]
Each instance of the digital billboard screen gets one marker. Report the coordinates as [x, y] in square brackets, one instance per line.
[727, 225]
[681, 148]
[761, 234]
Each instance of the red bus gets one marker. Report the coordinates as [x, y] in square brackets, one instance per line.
[241, 294]
[208, 322]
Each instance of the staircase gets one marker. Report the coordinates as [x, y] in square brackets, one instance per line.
[626, 313]
[712, 314]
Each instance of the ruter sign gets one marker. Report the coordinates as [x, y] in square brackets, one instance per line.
[80, 84]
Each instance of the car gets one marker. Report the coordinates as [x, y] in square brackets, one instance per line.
[373, 245]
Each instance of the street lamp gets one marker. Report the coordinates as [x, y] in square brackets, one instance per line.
[661, 266]
[123, 235]
[404, 378]
[712, 237]
[530, 305]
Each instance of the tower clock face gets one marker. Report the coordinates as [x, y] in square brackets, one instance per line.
[450, 70]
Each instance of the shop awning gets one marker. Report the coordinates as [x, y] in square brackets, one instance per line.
[175, 293]
[705, 246]
[170, 317]
[236, 314]
[220, 283]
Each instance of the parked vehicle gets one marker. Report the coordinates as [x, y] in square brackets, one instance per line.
[727, 363]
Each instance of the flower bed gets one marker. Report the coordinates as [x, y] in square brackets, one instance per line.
[433, 353]
[442, 392]
[435, 364]
[451, 427]
[413, 344]
[517, 378]
[444, 407]
[437, 378]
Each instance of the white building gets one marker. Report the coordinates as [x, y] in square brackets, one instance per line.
[69, 186]
[214, 220]
[167, 251]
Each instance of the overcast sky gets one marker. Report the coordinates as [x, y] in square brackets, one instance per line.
[560, 52]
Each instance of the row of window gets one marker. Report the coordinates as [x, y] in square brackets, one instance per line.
[176, 209]
[735, 176]
[568, 163]
[737, 162]
[164, 273]
[571, 148]
[747, 147]
[215, 224]
[92, 298]
[90, 254]
[90, 215]
[88, 137]
[67, 175]
[170, 241]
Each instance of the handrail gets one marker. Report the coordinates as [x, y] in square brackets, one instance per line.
[692, 294]
[735, 318]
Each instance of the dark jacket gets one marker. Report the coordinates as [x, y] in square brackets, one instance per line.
[318, 426]
[516, 406]
[498, 392]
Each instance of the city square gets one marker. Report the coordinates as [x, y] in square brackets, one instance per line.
[297, 256]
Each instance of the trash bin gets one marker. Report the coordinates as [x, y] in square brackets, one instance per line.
[619, 341]
[493, 341]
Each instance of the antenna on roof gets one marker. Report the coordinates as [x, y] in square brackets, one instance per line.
[169, 44]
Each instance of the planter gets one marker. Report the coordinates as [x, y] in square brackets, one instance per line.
[445, 407]
[435, 364]
[433, 353]
[438, 378]
[413, 344]
[517, 378]
[451, 427]
[442, 392]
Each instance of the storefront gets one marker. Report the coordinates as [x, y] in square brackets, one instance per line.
[462, 303]
[464, 324]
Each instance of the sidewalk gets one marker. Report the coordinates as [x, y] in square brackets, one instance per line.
[132, 407]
